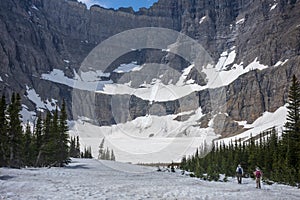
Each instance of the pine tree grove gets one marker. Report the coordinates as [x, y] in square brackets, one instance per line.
[44, 144]
[105, 154]
[278, 157]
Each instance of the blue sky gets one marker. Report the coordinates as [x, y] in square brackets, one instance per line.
[136, 4]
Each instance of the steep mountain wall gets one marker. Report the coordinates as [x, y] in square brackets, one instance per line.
[38, 36]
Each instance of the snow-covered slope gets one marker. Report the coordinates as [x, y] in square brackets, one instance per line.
[149, 139]
[266, 121]
[153, 139]
[92, 179]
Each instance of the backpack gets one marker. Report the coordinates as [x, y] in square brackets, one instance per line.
[240, 170]
[258, 174]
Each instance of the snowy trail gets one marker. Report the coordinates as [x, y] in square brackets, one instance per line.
[93, 179]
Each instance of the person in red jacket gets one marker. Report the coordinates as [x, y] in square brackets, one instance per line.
[258, 174]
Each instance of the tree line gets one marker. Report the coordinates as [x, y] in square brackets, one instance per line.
[278, 156]
[75, 152]
[46, 144]
[105, 154]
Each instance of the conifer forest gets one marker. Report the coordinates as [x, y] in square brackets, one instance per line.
[46, 145]
[276, 155]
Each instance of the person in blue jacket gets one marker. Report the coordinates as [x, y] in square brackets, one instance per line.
[239, 173]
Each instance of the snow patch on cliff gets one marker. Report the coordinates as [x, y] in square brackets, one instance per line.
[41, 105]
[268, 120]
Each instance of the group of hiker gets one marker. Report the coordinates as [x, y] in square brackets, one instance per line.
[257, 174]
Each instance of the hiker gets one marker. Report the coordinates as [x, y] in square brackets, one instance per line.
[258, 174]
[239, 173]
[158, 169]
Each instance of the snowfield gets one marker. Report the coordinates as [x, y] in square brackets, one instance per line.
[149, 139]
[154, 139]
[94, 179]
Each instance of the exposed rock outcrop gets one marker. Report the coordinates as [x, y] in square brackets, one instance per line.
[38, 36]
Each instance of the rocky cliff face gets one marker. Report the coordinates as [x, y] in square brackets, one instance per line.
[38, 36]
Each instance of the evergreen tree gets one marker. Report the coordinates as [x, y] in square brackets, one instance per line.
[77, 148]
[252, 158]
[101, 155]
[72, 147]
[271, 152]
[42, 159]
[52, 146]
[4, 149]
[291, 135]
[28, 155]
[63, 147]
[84, 153]
[107, 154]
[198, 172]
[15, 132]
[112, 156]
[90, 152]
[183, 163]
[87, 153]
[38, 133]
